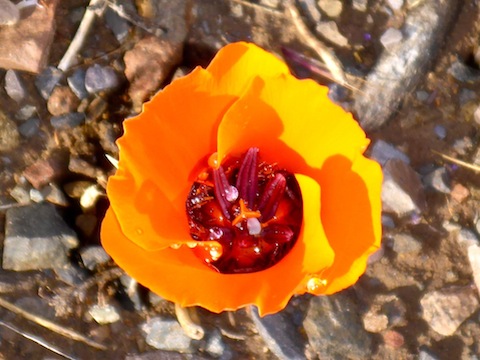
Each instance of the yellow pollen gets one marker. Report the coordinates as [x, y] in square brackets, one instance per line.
[245, 213]
[213, 161]
[315, 283]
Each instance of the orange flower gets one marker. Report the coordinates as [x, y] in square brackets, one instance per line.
[245, 102]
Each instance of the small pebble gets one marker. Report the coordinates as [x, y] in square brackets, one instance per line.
[47, 80]
[393, 339]
[9, 13]
[383, 151]
[333, 8]
[42, 172]
[405, 244]
[62, 101]
[360, 5]
[391, 37]
[54, 195]
[474, 260]
[67, 121]
[119, 26]
[422, 95]
[476, 115]
[374, 322]
[36, 195]
[26, 112]
[459, 193]
[388, 222]
[440, 131]
[467, 238]
[426, 354]
[20, 194]
[101, 78]
[94, 256]
[166, 335]
[395, 4]
[438, 180]
[329, 30]
[104, 314]
[14, 86]
[445, 310]
[77, 83]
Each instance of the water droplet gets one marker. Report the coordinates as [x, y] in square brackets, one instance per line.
[314, 283]
[256, 250]
[213, 161]
[231, 193]
[215, 233]
[215, 252]
[192, 244]
[176, 246]
[139, 231]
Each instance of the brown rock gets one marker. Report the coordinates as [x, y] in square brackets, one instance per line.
[393, 339]
[42, 172]
[62, 101]
[147, 66]
[459, 193]
[26, 45]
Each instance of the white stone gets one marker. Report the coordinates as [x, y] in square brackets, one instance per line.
[395, 4]
[329, 30]
[332, 8]
[391, 37]
[104, 314]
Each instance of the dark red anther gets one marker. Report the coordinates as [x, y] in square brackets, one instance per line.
[252, 210]
[271, 197]
[247, 180]
[278, 234]
[224, 192]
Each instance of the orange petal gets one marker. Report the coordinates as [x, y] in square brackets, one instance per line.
[293, 122]
[351, 211]
[179, 276]
[162, 148]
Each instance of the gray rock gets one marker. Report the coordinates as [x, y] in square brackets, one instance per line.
[280, 334]
[104, 314]
[101, 78]
[402, 190]
[14, 86]
[467, 238]
[117, 24]
[445, 310]
[166, 335]
[93, 256]
[77, 83]
[383, 151]
[131, 289]
[36, 196]
[335, 330]
[438, 179]
[67, 121]
[215, 345]
[388, 222]
[405, 244]
[36, 238]
[29, 128]
[47, 80]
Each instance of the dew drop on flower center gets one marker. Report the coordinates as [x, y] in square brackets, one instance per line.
[245, 214]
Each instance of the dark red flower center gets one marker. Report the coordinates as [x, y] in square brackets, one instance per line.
[245, 214]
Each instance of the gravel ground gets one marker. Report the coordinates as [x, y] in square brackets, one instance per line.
[412, 69]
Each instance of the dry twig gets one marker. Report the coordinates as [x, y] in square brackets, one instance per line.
[68, 333]
[458, 162]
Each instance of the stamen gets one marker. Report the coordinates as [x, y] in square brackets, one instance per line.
[245, 213]
[247, 180]
[223, 190]
[278, 234]
[272, 196]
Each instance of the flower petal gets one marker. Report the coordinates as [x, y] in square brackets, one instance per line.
[351, 216]
[178, 275]
[163, 148]
[292, 122]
